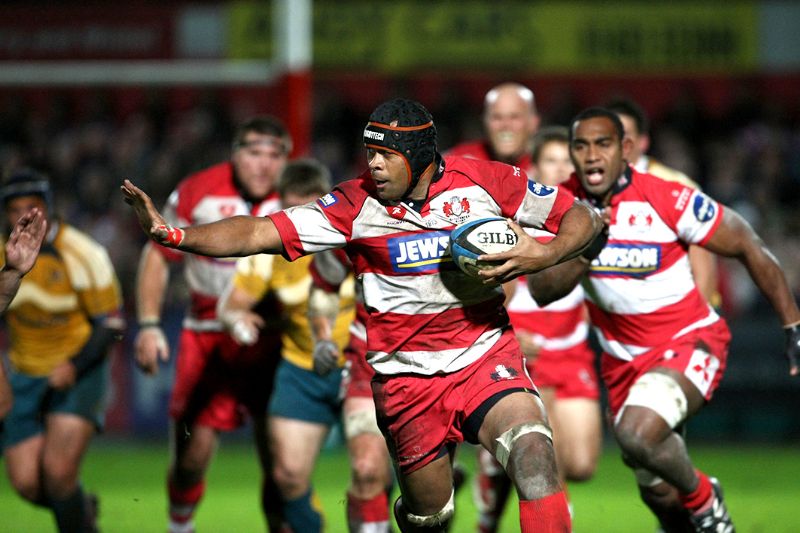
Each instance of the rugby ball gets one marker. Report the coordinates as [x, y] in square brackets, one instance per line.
[483, 236]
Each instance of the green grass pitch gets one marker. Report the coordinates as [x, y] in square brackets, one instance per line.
[762, 487]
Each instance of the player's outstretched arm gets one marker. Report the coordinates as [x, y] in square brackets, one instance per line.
[21, 251]
[579, 226]
[735, 238]
[237, 236]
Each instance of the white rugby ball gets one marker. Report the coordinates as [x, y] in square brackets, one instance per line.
[483, 236]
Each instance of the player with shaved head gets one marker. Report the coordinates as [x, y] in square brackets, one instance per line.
[510, 120]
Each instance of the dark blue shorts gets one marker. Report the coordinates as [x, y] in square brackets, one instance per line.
[301, 394]
[33, 400]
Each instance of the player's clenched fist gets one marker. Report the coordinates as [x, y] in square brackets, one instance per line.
[150, 219]
[326, 357]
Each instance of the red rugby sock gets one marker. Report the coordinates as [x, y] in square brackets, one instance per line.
[368, 515]
[700, 498]
[183, 501]
[545, 515]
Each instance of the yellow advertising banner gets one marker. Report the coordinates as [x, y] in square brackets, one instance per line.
[250, 32]
[547, 37]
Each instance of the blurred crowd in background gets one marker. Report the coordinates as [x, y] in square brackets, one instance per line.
[747, 157]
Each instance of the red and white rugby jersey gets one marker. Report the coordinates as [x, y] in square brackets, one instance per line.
[481, 150]
[558, 327]
[425, 315]
[640, 291]
[208, 196]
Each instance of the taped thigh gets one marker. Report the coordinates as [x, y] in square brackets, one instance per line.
[660, 393]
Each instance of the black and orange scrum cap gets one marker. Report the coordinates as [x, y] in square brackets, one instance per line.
[405, 127]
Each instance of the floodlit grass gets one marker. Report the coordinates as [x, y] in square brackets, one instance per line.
[762, 487]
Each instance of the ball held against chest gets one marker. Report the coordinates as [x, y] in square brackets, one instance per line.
[483, 236]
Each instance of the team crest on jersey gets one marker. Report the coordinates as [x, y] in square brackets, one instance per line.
[419, 252]
[641, 221]
[396, 211]
[704, 208]
[328, 200]
[538, 189]
[627, 260]
[456, 209]
[503, 372]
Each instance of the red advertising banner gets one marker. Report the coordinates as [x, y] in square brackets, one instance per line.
[86, 32]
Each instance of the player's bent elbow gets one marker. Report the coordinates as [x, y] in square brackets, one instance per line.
[544, 293]
[265, 238]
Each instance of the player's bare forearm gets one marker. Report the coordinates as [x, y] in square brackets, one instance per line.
[237, 236]
[233, 237]
[321, 327]
[767, 274]
[704, 272]
[578, 228]
[6, 395]
[152, 278]
[9, 283]
[735, 238]
[554, 283]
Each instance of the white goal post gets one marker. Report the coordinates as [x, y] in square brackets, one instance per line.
[141, 73]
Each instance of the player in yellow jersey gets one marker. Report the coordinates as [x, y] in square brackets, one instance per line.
[21, 250]
[61, 324]
[304, 405]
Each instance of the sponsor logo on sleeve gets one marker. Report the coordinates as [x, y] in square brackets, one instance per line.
[328, 200]
[703, 207]
[420, 252]
[627, 260]
[540, 190]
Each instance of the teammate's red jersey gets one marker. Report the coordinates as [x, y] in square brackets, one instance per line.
[208, 196]
[640, 290]
[482, 151]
